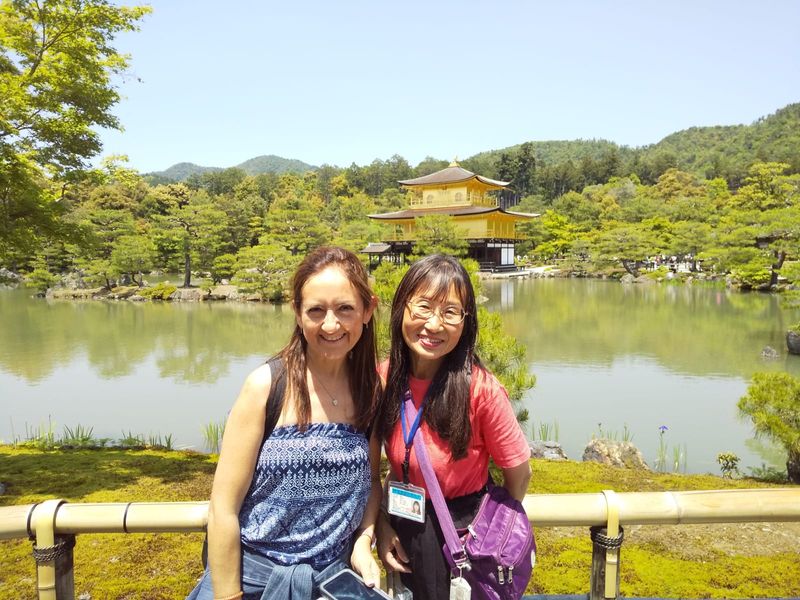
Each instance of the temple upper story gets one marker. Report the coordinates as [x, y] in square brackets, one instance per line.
[453, 186]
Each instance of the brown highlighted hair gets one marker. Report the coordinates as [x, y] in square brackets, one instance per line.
[447, 408]
[362, 360]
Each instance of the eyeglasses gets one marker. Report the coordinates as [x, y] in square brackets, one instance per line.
[422, 310]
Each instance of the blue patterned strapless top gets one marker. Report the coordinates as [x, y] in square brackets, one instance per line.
[308, 493]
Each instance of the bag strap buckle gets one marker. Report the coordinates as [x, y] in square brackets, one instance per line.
[461, 561]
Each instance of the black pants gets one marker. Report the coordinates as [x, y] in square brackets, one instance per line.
[430, 574]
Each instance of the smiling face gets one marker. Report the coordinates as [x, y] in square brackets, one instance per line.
[331, 315]
[430, 340]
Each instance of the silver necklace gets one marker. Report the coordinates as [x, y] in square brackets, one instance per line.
[334, 401]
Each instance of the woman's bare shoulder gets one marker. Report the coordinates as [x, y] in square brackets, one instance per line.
[260, 376]
[256, 386]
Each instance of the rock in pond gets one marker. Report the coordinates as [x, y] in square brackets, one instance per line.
[614, 453]
[548, 450]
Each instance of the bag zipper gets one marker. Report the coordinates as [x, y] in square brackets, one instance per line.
[504, 574]
[509, 570]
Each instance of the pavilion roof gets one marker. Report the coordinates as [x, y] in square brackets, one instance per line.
[376, 248]
[452, 174]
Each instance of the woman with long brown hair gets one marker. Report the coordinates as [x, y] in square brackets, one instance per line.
[292, 506]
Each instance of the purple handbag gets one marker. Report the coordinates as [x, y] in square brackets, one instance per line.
[497, 551]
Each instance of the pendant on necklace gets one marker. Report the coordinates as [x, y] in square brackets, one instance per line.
[334, 401]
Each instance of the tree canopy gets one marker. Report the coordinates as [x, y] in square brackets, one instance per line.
[57, 69]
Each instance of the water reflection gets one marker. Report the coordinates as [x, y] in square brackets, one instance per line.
[603, 352]
[190, 342]
[688, 329]
[645, 356]
[151, 368]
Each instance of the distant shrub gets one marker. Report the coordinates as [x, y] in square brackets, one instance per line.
[658, 273]
[223, 267]
[773, 404]
[160, 291]
[41, 278]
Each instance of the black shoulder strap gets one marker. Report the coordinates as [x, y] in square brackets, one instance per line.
[277, 389]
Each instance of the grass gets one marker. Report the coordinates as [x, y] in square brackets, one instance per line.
[613, 435]
[108, 565]
[212, 436]
[78, 436]
[154, 566]
[156, 441]
[647, 570]
[43, 437]
[545, 431]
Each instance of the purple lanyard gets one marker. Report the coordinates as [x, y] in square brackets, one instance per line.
[408, 436]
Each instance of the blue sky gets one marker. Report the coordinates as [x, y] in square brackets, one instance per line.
[217, 83]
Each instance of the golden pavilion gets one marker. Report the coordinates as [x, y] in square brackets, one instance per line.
[466, 197]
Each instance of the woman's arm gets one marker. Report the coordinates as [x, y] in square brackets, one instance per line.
[501, 433]
[240, 445]
[361, 558]
[516, 479]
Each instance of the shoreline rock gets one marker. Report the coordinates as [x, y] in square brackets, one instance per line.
[189, 295]
[9, 279]
[547, 449]
[614, 453]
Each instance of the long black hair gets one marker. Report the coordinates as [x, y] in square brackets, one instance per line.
[447, 409]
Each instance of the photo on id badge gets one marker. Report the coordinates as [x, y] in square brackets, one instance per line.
[407, 501]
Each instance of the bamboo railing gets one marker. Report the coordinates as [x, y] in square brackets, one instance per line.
[54, 523]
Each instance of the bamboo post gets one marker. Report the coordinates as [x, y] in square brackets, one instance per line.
[600, 546]
[45, 549]
[65, 578]
[606, 541]
[612, 552]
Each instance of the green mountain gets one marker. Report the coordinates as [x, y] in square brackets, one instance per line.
[725, 151]
[552, 152]
[182, 171]
[556, 151]
[255, 166]
[269, 163]
[715, 151]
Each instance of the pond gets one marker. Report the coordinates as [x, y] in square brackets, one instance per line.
[606, 356]
[617, 358]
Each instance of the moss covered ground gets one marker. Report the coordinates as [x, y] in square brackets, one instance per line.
[155, 566]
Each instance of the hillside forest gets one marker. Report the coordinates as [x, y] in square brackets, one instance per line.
[604, 209]
[725, 199]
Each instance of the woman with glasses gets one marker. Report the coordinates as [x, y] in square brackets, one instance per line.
[466, 418]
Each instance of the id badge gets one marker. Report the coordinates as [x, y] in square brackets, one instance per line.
[459, 589]
[407, 501]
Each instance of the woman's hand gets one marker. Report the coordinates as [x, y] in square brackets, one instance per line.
[364, 563]
[390, 550]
